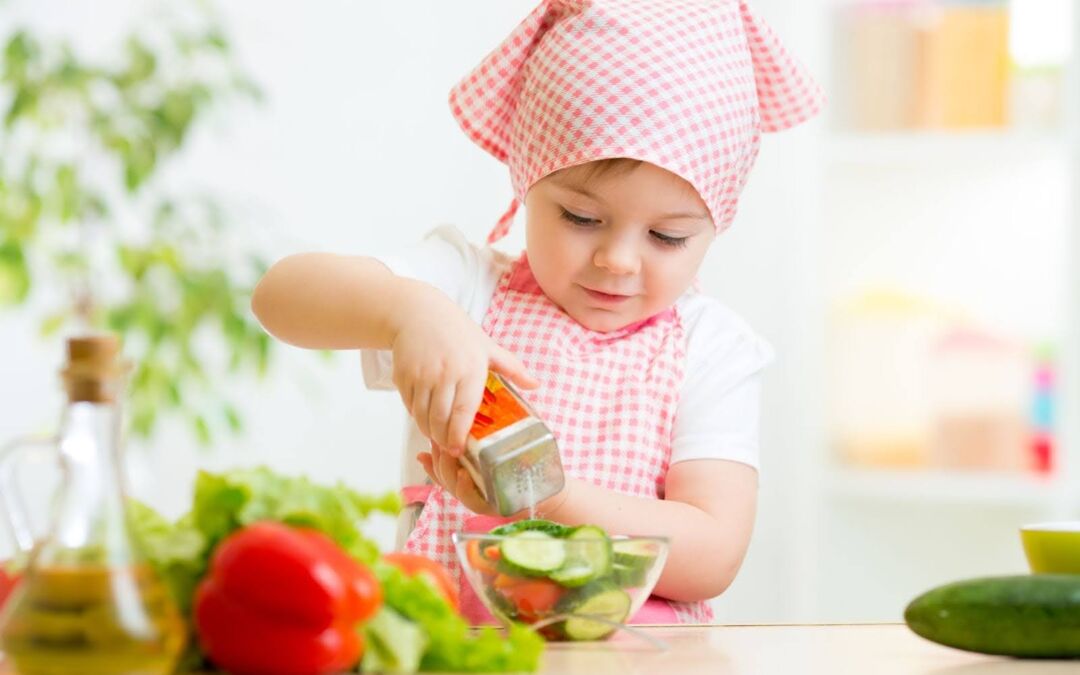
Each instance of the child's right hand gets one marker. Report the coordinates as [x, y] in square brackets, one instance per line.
[441, 362]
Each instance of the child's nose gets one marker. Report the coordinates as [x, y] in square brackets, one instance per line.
[617, 255]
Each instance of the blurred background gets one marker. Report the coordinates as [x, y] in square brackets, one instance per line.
[911, 255]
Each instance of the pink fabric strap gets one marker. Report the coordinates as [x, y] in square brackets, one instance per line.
[415, 494]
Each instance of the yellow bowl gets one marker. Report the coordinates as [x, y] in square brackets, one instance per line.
[1052, 548]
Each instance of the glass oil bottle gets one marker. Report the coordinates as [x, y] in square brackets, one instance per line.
[88, 604]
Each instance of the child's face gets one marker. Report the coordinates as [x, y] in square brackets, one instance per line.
[618, 247]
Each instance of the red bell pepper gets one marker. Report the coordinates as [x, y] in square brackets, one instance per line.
[279, 599]
[412, 565]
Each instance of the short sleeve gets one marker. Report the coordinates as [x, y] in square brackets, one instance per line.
[467, 274]
[720, 401]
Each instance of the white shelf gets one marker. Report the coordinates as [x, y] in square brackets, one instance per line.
[918, 147]
[976, 488]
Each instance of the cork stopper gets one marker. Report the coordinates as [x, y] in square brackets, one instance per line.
[94, 370]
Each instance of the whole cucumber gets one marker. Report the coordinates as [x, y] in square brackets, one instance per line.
[1034, 616]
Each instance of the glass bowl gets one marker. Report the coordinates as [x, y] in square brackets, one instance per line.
[580, 587]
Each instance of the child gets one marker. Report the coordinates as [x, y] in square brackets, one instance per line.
[629, 127]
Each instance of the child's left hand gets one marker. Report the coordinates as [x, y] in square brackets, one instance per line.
[447, 471]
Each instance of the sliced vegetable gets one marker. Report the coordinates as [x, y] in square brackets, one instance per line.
[532, 553]
[480, 557]
[534, 524]
[634, 553]
[602, 600]
[573, 575]
[628, 577]
[417, 565]
[532, 598]
[588, 557]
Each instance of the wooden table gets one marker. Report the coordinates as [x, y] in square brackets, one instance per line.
[851, 649]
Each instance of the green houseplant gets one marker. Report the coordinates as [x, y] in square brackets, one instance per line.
[92, 237]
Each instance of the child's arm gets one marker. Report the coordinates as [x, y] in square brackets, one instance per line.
[326, 301]
[441, 357]
[707, 513]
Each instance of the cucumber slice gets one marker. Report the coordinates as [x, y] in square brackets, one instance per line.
[532, 553]
[573, 575]
[535, 524]
[634, 554]
[628, 577]
[590, 544]
[599, 601]
[588, 557]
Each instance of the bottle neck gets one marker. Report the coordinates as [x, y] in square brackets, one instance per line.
[90, 512]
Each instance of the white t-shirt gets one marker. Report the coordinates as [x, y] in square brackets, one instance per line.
[719, 401]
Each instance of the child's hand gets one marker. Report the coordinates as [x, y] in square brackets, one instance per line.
[448, 472]
[441, 362]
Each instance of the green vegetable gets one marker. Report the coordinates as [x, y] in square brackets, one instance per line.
[1034, 615]
[392, 644]
[634, 553]
[416, 629]
[546, 526]
[452, 646]
[600, 600]
[588, 557]
[532, 553]
[628, 577]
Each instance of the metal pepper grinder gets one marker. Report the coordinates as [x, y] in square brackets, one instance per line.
[510, 453]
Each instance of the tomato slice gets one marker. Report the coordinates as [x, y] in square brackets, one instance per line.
[533, 598]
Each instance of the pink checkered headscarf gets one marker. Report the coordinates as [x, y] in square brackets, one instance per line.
[687, 85]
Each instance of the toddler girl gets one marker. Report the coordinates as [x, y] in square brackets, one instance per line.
[629, 128]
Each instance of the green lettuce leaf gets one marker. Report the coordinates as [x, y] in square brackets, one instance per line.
[392, 644]
[452, 644]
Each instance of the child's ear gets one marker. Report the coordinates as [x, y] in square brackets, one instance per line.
[787, 94]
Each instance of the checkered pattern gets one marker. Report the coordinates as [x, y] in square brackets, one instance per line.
[687, 85]
[609, 398]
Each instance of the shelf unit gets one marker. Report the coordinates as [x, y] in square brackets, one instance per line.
[853, 524]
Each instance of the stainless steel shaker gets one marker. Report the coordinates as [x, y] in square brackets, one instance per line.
[510, 453]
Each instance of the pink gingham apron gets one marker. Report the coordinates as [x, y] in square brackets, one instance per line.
[609, 398]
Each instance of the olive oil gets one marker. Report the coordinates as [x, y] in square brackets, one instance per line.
[92, 620]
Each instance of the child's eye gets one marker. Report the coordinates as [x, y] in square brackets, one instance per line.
[667, 240]
[576, 219]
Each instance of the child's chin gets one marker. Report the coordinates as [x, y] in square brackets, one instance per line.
[602, 321]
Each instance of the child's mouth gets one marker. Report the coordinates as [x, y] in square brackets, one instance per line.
[609, 298]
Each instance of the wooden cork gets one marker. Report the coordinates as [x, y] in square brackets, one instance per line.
[94, 371]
